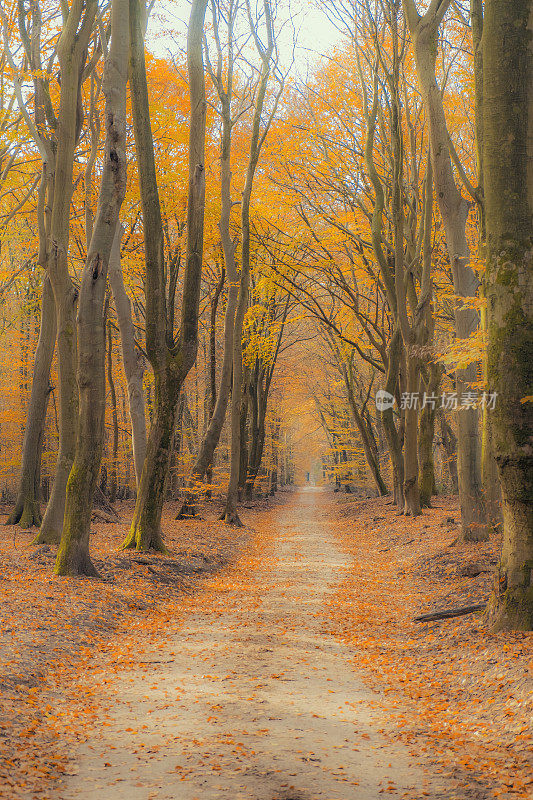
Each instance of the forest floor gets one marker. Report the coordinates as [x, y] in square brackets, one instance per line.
[277, 662]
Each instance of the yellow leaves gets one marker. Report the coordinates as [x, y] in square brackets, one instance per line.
[462, 352]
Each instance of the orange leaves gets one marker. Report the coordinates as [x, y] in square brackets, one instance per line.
[459, 691]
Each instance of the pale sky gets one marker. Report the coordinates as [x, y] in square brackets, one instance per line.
[316, 35]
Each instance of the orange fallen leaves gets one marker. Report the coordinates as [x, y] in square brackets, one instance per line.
[457, 692]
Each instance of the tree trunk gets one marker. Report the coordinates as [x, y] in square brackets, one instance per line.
[426, 435]
[132, 359]
[275, 458]
[387, 418]
[170, 360]
[145, 532]
[257, 138]
[370, 454]
[244, 433]
[410, 461]
[72, 51]
[508, 180]
[449, 443]
[27, 512]
[73, 557]
[216, 423]
[113, 478]
[212, 387]
[454, 211]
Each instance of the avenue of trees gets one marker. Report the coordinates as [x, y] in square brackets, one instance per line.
[198, 251]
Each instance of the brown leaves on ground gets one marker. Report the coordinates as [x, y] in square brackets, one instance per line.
[457, 693]
[61, 637]
[462, 694]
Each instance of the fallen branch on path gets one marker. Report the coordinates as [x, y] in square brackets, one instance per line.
[450, 612]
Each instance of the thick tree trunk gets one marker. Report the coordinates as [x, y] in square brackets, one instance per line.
[72, 50]
[171, 361]
[132, 359]
[73, 557]
[489, 474]
[27, 511]
[145, 532]
[454, 211]
[508, 180]
[52, 523]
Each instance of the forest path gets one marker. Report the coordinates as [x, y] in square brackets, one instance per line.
[259, 703]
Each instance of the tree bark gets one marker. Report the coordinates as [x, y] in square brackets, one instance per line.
[508, 180]
[113, 478]
[212, 387]
[387, 418]
[212, 436]
[449, 443]
[257, 138]
[275, 458]
[426, 435]
[170, 360]
[27, 510]
[73, 557]
[132, 359]
[454, 211]
[72, 52]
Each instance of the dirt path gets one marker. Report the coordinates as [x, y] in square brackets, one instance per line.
[259, 703]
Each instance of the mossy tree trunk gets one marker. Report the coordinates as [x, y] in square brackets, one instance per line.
[508, 180]
[72, 55]
[171, 359]
[73, 557]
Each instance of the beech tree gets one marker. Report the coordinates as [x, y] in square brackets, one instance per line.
[73, 555]
[78, 22]
[225, 90]
[508, 182]
[258, 134]
[171, 358]
[42, 129]
[424, 30]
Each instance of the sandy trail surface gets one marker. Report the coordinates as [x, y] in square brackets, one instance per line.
[257, 703]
